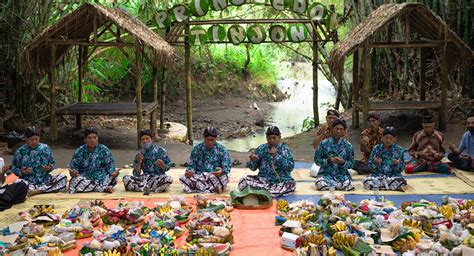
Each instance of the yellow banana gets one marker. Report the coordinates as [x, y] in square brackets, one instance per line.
[446, 211]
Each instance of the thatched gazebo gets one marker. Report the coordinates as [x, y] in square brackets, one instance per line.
[83, 28]
[431, 31]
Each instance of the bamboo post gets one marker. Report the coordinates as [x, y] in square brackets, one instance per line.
[355, 88]
[365, 97]
[187, 66]
[80, 61]
[138, 90]
[154, 93]
[162, 100]
[422, 74]
[315, 81]
[52, 77]
[443, 114]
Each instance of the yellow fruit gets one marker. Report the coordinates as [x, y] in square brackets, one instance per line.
[446, 211]
[341, 240]
[332, 251]
[339, 226]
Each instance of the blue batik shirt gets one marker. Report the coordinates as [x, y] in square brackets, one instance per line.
[97, 164]
[329, 147]
[467, 144]
[150, 156]
[387, 168]
[276, 168]
[203, 159]
[34, 158]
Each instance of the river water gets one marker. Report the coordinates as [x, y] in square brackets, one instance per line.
[295, 79]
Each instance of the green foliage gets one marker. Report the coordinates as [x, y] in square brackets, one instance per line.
[308, 124]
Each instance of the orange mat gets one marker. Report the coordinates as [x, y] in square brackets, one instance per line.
[254, 230]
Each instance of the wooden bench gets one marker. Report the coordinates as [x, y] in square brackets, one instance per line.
[392, 106]
[106, 109]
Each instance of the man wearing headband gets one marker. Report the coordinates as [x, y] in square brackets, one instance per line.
[368, 139]
[274, 162]
[335, 156]
[149, 167]
[387, 164]
[208, 166]
[459, 159]
[92, 167]
[323, 132]
[33, 162]
[427, 150]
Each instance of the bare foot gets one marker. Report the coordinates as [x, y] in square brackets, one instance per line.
[401, 189]
[219, 190]
[109, 189]
[34, 192]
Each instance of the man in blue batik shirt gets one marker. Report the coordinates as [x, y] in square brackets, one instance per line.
[462, 157]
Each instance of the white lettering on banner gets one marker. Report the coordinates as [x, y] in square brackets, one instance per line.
[258, 35]
[197, 33]
[197, 6]
[161, 18]
[297, 33]
[179, 13]
[317, 12]
[277, 34]
[236, 34]
[278, 5]
[219, 4]
[299, 6]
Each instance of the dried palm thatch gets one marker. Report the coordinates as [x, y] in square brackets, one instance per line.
[425, 22]
[79, 25]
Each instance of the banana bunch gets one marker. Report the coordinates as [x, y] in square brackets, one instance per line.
[467, 205]
[186, 247]
[332, 251]
[206, 252]
[411, 223]
[209, 228]
[282, 205]
[313, 238]
[407, 242]
[104, 229]
[404, 244]
[309, 216]
[341, 239]
[296, 218]
[45, 208]
[339, 226]
[112, 253]
[54, 252]
[224, 214]
[164, 209]
[446, 211]
[469, 241]
[37, 240]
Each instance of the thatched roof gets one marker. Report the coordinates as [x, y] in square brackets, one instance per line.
[79, 25]
[425, 22]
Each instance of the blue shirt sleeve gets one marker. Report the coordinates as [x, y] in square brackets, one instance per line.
[463, 144]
